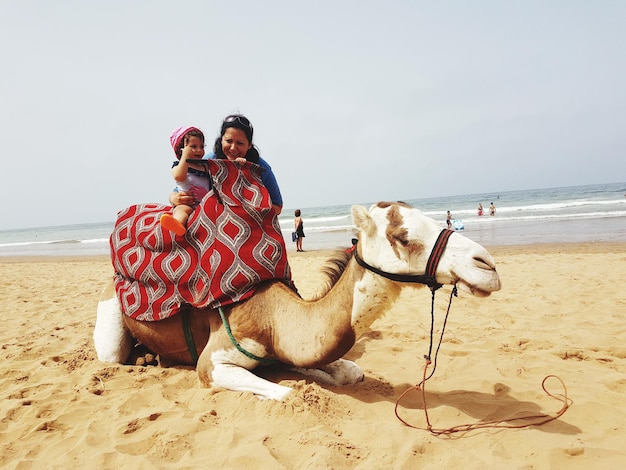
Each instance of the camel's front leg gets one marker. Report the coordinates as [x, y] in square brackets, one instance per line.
[218, 369]
[340, 372]
[234, 377]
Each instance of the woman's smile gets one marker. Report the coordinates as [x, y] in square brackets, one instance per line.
[235, 144]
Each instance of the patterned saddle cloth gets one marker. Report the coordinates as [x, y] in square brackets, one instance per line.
[233, 242]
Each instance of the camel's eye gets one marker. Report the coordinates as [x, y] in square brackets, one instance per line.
[412, 246]
[400, 241]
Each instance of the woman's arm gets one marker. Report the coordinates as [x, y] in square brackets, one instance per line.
[269, 180]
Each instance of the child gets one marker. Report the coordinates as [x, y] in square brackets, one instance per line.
[188, 143]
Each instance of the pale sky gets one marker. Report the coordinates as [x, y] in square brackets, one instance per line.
[351, 101]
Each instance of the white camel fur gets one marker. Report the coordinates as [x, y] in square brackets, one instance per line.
[311, 336]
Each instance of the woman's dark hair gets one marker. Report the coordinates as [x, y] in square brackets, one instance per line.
[237, 121]
[297, 213]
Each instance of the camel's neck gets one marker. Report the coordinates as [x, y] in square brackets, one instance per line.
[358, 298]
[372, 295]
[330, 325]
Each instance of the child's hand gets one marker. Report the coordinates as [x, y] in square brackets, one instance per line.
[187, 153]
[241, 160]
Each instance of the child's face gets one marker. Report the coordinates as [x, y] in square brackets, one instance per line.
[197, 146]
[235, 144]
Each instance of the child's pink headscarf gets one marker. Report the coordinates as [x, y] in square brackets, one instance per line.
[178, 134]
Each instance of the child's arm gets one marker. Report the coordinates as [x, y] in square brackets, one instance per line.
[179, 172]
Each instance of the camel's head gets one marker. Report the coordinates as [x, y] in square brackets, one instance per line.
[397, 238]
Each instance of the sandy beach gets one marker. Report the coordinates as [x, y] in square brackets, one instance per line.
[561, 312]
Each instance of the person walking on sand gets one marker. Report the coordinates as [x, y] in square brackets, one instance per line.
[449, 220]
[299, 228]
[492, 209]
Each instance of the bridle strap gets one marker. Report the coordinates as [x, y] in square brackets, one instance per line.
[438, 249]
[429, 277]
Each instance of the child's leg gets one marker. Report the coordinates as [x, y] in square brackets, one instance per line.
[182, 213]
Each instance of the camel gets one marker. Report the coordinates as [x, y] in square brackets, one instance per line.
[308, 336]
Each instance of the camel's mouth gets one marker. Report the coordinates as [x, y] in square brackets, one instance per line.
[475, 290]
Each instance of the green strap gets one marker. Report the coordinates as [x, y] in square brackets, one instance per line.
[238, 346]
[191, 346]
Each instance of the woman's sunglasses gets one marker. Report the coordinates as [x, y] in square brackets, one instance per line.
[241, 119]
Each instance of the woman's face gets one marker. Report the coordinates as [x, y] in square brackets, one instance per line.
[235, 144]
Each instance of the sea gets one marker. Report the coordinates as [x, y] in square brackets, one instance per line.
[590, 213]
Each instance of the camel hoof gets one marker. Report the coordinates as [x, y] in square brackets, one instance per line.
[340, 372]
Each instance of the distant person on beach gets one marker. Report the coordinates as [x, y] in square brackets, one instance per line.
[449, 220]
[191, 178]
[492, 209]
[299, 228]
[235, 144]
[480, 209]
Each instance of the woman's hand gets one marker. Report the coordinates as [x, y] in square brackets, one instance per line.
[182, 198]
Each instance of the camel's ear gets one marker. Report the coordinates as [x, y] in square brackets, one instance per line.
[363, 220]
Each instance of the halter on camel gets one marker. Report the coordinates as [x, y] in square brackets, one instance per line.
[428, 278]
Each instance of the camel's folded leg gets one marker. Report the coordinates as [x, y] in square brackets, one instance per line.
[340, 372]
[112, 341]
[235, 377]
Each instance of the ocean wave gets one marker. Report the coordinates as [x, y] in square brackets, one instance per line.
[517, 212]
[69, 241]
[332, 228]
[317, 220]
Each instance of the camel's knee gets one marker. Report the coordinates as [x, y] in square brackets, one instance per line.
[112, 340]
[204, 373]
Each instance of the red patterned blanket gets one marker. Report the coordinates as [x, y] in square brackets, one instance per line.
[233, 242]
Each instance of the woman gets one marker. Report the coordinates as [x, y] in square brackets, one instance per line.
[299, 228]
[235, 144]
